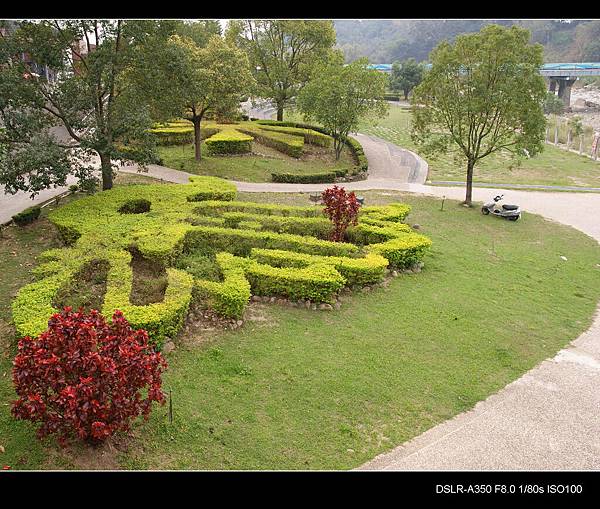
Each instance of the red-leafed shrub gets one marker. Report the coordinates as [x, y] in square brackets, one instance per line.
[341, 208]
[85, 378]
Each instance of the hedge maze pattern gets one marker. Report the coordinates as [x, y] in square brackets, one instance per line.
[286, 137]
[260, 249]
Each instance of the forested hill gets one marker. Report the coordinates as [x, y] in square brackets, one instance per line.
[385, 41]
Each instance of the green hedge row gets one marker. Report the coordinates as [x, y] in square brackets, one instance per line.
[285, 143]
[308, 178]
[27, 216]
[229, 141]
[310, 136]
[180, 134]
[241, 242]
[33, 306]
[357, 271]
[229, 297]
[362, 165]
[266, 249]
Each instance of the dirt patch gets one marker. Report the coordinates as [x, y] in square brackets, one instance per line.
[82, 456]
[149, 280]
[87, 289]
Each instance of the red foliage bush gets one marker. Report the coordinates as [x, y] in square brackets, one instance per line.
[84, 378]
[341, 208]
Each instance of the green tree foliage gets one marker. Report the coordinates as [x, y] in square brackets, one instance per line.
[406, 76]
[339, 97]
[553, 105]
[195, 80]
[483, 94]
[90, 103]
[282, 54]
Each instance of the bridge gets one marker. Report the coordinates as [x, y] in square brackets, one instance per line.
[562, 75]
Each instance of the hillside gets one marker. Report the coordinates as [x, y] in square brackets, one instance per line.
[385, 41]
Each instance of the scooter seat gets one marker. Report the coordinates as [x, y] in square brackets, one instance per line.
[510, 207]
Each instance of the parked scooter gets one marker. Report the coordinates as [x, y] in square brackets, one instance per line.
[510, 212]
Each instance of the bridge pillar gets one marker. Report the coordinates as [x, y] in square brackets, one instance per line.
[552, 87]
[564, 90]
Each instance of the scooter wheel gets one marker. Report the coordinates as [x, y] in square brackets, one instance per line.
[514, 218]
[485, 211]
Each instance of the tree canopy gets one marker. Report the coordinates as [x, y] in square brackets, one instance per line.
[339, 97]
[483, 94]
[405, 76]
[90, 101]
[195, 80]
[282, 54]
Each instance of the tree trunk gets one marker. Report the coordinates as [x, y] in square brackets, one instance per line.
[107, 174]
[337, 145]
[406, 94]
[197, 139]
[279, 112]
[469, 195]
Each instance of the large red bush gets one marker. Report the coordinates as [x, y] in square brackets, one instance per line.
[341, 208]
[84, 378]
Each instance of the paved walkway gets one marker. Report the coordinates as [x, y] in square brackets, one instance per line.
[547, 419]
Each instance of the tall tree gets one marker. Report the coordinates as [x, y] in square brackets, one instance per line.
[282, 54]
[340, 96]
[482, 95]
[89, 101]
[195, 80]
[405, 76]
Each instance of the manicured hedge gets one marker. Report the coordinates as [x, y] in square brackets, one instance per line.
[180, 133]
[285, 143]
[356, 271]
[310, 136]
[404, 250]
[308, 178]
[229, 297]
[229, 141]
[265, 249]
[26, 217]
[241, 242]
[362, 165]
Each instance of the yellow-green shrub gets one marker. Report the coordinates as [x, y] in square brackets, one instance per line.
[229, 141]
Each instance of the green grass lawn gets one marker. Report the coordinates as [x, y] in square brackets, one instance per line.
[552, 167]
[301, 389]
[255, 167]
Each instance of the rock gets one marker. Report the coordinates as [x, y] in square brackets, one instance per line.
[366, 289]
[314, 307]
[338, 305]
[307, 304]
[272, 300]
[256, 298]
[282, 302]
[239, 323]
[325, 307]
[416, 226]
[266, 299]
[563, 258]
[168, 347]
[395, 273]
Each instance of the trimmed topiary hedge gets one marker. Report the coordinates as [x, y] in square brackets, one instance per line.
[264, 249]
[362, 165]
[26, 217]
[229, 141]
[286, 143]
[308, 178]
